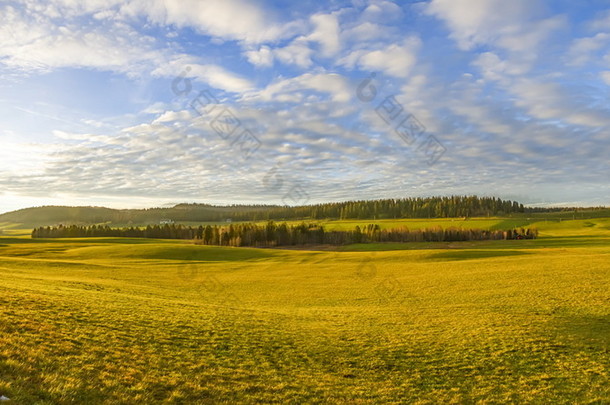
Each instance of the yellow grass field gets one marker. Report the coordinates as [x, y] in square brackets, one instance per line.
[127, 321]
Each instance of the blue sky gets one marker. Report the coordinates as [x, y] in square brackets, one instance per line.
[140, 103]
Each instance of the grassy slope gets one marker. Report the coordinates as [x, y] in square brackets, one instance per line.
[141, 321]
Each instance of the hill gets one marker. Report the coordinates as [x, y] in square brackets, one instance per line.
[430, 207]
[49, 215]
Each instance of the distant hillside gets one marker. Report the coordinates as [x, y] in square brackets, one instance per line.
[53, 215]
[432, 207]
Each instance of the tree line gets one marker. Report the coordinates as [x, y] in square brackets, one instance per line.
[283, 234]
[429, 207]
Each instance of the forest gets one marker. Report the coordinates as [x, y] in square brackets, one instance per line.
[272, 234]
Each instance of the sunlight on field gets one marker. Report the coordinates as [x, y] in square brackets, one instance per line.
[142, 321]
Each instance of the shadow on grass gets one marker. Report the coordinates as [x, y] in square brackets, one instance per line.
[132, 248]
[202, 254]
[591, 332]
[90, 241]
[573, 241]
[457, 255]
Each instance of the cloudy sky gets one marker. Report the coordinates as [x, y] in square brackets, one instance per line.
[136, 103]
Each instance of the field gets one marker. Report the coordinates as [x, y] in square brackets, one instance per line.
[128, 321]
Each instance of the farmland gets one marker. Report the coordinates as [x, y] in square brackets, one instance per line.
[114, 320]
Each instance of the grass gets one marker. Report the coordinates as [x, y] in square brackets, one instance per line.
[129, 321]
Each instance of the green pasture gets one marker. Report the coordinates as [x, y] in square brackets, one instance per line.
[136, 321]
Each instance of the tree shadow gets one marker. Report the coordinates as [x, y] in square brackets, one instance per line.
[589, 331]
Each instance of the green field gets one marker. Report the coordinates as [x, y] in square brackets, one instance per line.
[128, 321]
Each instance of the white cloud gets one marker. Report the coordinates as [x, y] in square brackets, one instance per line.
[511, 25]
[170, 116]
[44, 46]
[582, 49]
[220, 78]
[601, 23]
[70, 8]
[297, 53]
[213, 75]
[363, 32]
[327, 33]
[466, 98]
[32, 42]
[528, 39]
[382, 12]
[496, 69]
[228, 19]
[548, 101]
[474, 22]
[335, 85]
[606, 77]
[17, 156]
[261, 57]
[396, 59]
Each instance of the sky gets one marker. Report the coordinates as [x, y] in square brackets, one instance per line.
[145, 103]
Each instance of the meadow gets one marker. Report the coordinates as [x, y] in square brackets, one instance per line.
[130, 321]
